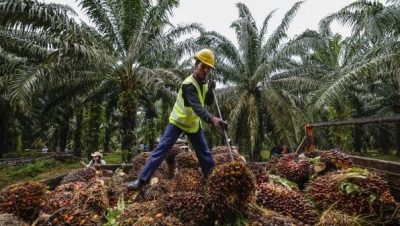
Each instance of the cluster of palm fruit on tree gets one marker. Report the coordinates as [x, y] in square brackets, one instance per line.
[279, 192]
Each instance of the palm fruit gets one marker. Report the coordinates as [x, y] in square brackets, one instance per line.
[116, 187]
[333, 217]
[137, 211]
[189, 207]
[76, 216]
[290, 167]
[82, 175]
[331, 160]
[7, 219]
[286, 201]
[63, 194]
[223, 149]
[355, 191]
[154, 191]
[139, 161]
[259, 171]
[170, 160]
[257, 216]
[230, 188]
[186, 180]
[159, 220]
[336, 159]
[87, 207]
[186, 160]
[226, 157]
[25, 200]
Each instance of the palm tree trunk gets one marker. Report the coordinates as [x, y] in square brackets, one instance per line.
[260, 139]
[64, 133]
[398, 139]
[78, 130]
[92, 136]
[129, 105]
[357, 144]
[108, 127]
[384, 140]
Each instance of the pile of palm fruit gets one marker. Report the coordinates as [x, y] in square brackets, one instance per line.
[319, 188]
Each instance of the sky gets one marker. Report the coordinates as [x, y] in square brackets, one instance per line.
[218, 15]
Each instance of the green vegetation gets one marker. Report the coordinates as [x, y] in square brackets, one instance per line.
[391, 156]
[34, 171]
[110, 85]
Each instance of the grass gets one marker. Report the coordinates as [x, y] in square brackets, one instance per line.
[387, 157]
[264, 155]
[112, 158]
[33, 171]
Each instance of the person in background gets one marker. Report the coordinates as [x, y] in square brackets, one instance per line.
[45, 149]
[97, 159]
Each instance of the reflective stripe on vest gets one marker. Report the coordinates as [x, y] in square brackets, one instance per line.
[184, 117]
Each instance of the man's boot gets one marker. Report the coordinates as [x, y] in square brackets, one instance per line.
[136, 184]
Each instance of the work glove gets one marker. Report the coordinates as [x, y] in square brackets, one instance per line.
[219, 124]
[211, 84]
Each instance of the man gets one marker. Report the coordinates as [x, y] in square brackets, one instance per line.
[97, 159]
[193, 94]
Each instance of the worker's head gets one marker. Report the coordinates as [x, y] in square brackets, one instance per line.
[204, 63]
[97, 155]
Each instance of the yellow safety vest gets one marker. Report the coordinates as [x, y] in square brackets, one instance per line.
[184, 117]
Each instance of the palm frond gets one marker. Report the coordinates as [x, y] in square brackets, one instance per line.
[275, 39]
[335, 89]
[102, 15]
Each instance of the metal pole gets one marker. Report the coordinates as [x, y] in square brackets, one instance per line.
[225, 134]
[301, 143]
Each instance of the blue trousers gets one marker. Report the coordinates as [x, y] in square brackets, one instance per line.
[171, 134]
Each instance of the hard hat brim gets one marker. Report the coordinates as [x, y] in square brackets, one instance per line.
[208, 64]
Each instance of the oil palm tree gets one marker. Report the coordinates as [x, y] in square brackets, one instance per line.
[377, 59]
[258, 74]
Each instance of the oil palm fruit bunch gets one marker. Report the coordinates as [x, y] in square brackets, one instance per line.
[154, 191]
[76, 216]
[8, 219]
[292, 167]
[332, 217]
[139, 211]
[170, 160]
[258, 216]
[189, 207]
[259, 171]
[336, 159]
[63, 195]
[25, 200]
[223, 149]
[230, 188]
[186, 180]
[87, 207]
[286, 201]
[95, 197]
[139, 161]
[158, 220]
[225, 157]
[186, 160]
[355, 191]
[115, 186]
[82, 175]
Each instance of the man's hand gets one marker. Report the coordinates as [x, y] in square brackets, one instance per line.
[219, 124]
[211, 84]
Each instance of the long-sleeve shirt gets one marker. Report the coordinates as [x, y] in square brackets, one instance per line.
[191, 99]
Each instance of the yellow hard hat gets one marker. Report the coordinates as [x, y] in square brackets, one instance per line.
[206, 56]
